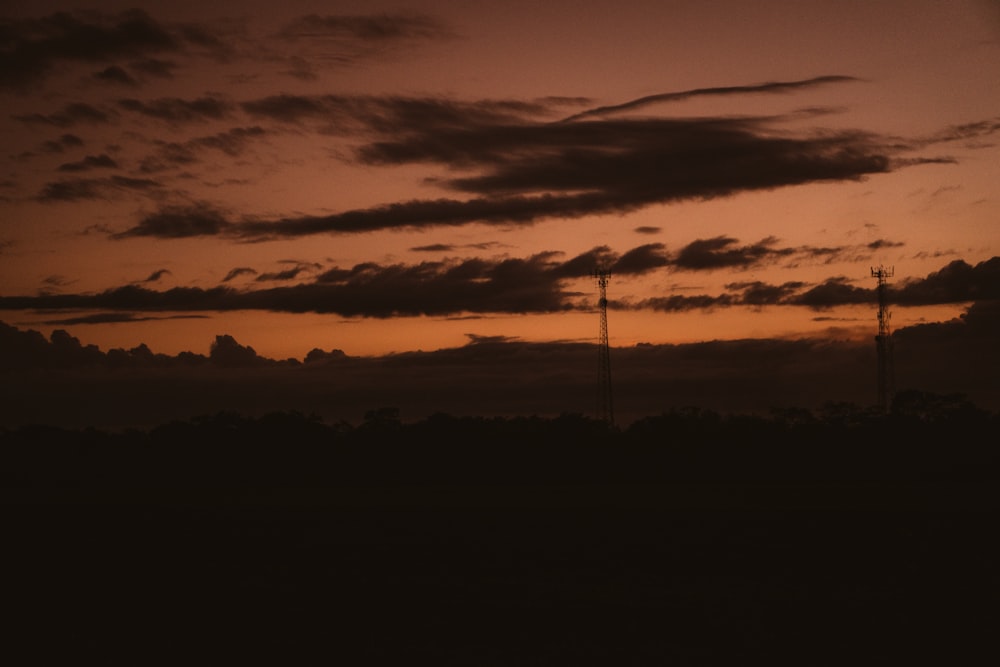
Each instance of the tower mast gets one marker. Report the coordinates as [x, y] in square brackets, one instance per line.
[605, 405]
[883, 341]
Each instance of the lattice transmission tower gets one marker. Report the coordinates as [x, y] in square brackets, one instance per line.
[605, 404]
[883, 341]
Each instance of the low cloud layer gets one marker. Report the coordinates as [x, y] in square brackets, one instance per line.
[489, 376]
[536, 284]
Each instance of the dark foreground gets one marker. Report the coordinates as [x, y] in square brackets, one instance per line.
[636, 555]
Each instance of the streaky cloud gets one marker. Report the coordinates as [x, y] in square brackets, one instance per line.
[179, 222]
[70, 115]
[378, 28]
[93, 188]
[179, 110]
[771, 87]
[101, 161]
[33, 47]
[117, 318]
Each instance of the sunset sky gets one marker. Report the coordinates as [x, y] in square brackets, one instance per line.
[383, 177]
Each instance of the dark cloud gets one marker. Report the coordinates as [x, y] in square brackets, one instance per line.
[753, 294]
[955, 283]
[433, 247]
[981, 320]
[231, 142]
[71, 114]
[442, 288]
[93, 188]
[524, 170]
[116, 75]
[156, 275]
[237, 272]
[834, 292]
[646, 229]
[369, 290]
[349, 39]
[62, 143]
[90, 162]
[179, 222]
[642, 259]
[722, 252]
[476, 339]
[32, 47]
[425, 214]
[115, 318]
[206, 40]
[162, 69]
[56, 281]
[510, 376]
[287, 108]
[350, 114]
[756, 293]
[626, 164]
[227, 353]
[171, 154]
[179, 110]
[536, 284]
[965, 132]
[881, 244]
[369, 28]
[770, 87]
[287, 274]
[301, 69]
[680, 303]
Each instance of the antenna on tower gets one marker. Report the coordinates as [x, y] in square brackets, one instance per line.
[883, 341]
[605, 406]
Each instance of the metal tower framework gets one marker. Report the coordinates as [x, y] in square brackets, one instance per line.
[605, 405]
[883, 341]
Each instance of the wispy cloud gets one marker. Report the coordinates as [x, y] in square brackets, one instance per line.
[116, 75]
[156, 275]
[114, 318]
[62, 143]
[70, 115]
[349, 39]
[772, 87]
[94, 188]
[179, 110]
[34, 47]
[170, 154]
[89, 162]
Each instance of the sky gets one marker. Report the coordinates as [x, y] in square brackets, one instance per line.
[417, 182]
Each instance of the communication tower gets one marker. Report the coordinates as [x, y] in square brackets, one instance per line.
[883, 341]
[605, 405]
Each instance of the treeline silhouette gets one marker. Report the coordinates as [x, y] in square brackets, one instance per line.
[601, 546]
[924, 438]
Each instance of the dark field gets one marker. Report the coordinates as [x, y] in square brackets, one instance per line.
[602, 550]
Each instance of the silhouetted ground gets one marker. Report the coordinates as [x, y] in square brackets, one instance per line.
[689, 539]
